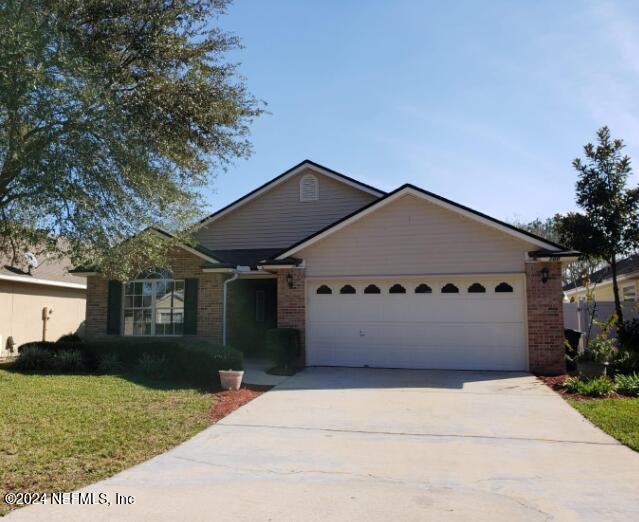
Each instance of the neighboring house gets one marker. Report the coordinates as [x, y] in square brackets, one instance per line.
[601, 283]
[405, 279]
[29, 294]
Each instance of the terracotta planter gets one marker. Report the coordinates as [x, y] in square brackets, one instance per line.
[590, 369]
[231, 379]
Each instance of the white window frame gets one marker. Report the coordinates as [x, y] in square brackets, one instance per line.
[634, 294]
[153, 307]
[315, 181]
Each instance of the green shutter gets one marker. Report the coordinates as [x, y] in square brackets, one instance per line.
[190, 306]
[114, 310]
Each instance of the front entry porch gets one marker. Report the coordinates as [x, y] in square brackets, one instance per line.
[252, 311]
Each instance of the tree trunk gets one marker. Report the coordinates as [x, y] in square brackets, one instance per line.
[615, 291]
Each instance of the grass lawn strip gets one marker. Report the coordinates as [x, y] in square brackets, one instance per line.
[617, 417]
[60, 432]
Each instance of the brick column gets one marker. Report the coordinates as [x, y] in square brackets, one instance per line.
[291, 302]
[96, 307]
[545, 319]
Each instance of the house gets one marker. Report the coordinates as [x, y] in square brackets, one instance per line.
[39, 300]
[601, 283]
[405, 279]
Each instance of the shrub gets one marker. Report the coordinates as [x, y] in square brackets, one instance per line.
[110, 363]
[69, 338]
[625, 362]
[192, 361]
[628, 384]
[199, 362]
[50, 346]
[128, 350]
[34, 358]
[283, 346]
[598, 387]
[153, 366]
[600, 349]
[68, 361]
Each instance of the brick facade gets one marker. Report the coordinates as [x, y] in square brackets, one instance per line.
[545, 319]
[291, 302]
[183, 265]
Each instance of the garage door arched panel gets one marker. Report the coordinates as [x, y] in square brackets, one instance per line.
[465, 331]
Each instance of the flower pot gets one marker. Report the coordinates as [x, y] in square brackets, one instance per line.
[231, 379]
[590, 369]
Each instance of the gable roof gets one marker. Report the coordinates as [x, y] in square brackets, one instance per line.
[409, 189]
[624, 267]
[306, 164]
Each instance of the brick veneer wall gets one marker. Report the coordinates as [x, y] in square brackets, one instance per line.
[291, 302]
[183, 265]
[545, 319]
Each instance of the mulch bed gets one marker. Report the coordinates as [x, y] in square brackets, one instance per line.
[556, 383]
[228, 401]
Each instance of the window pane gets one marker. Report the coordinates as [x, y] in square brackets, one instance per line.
[128, 322]
[147, 322]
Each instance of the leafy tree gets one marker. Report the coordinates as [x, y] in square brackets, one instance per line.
[113, 115]
[608, 225]
[546, 228]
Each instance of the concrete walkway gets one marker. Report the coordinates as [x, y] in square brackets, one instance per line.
[356, 444]
[255, 373]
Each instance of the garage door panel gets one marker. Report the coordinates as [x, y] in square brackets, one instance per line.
[434, 330]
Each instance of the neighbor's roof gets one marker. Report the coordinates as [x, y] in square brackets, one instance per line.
[624, 267]
[50, 272]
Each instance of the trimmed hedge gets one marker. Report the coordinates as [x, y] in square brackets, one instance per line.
[283, 346]
[193, 361]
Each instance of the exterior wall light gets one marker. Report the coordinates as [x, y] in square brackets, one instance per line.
[289, 280]
[545, 273]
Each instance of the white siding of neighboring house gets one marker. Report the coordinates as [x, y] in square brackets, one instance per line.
[412, 236]
[278, 219]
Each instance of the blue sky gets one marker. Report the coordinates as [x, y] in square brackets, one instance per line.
[483, 102]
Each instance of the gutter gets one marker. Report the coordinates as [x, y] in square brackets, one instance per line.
[46, 282]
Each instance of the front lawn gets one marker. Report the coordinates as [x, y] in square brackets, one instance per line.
[617, 417]
[60, 432]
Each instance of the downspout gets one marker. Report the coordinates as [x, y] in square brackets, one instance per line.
[236, 274]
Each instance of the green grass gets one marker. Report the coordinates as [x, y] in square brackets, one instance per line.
[59, 432]
[617, 417]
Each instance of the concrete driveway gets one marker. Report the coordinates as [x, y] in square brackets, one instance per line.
[358, 444]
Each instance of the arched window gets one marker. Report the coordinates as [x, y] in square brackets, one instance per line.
[503, 288]
[347, 289]
[476, 288]
[423, 289]
[397, 289]
[309, 188]
[450, 288]
[324, 290]
[372, 289]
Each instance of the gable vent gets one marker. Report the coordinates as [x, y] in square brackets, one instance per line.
[309, 188]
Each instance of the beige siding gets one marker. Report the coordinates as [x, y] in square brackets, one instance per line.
[411, 236]
[603, 291]
[277, 218]
[21, 312]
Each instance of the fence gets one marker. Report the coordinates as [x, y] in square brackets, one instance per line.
[578, 316]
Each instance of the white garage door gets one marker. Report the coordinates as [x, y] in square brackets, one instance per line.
[460, 324]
